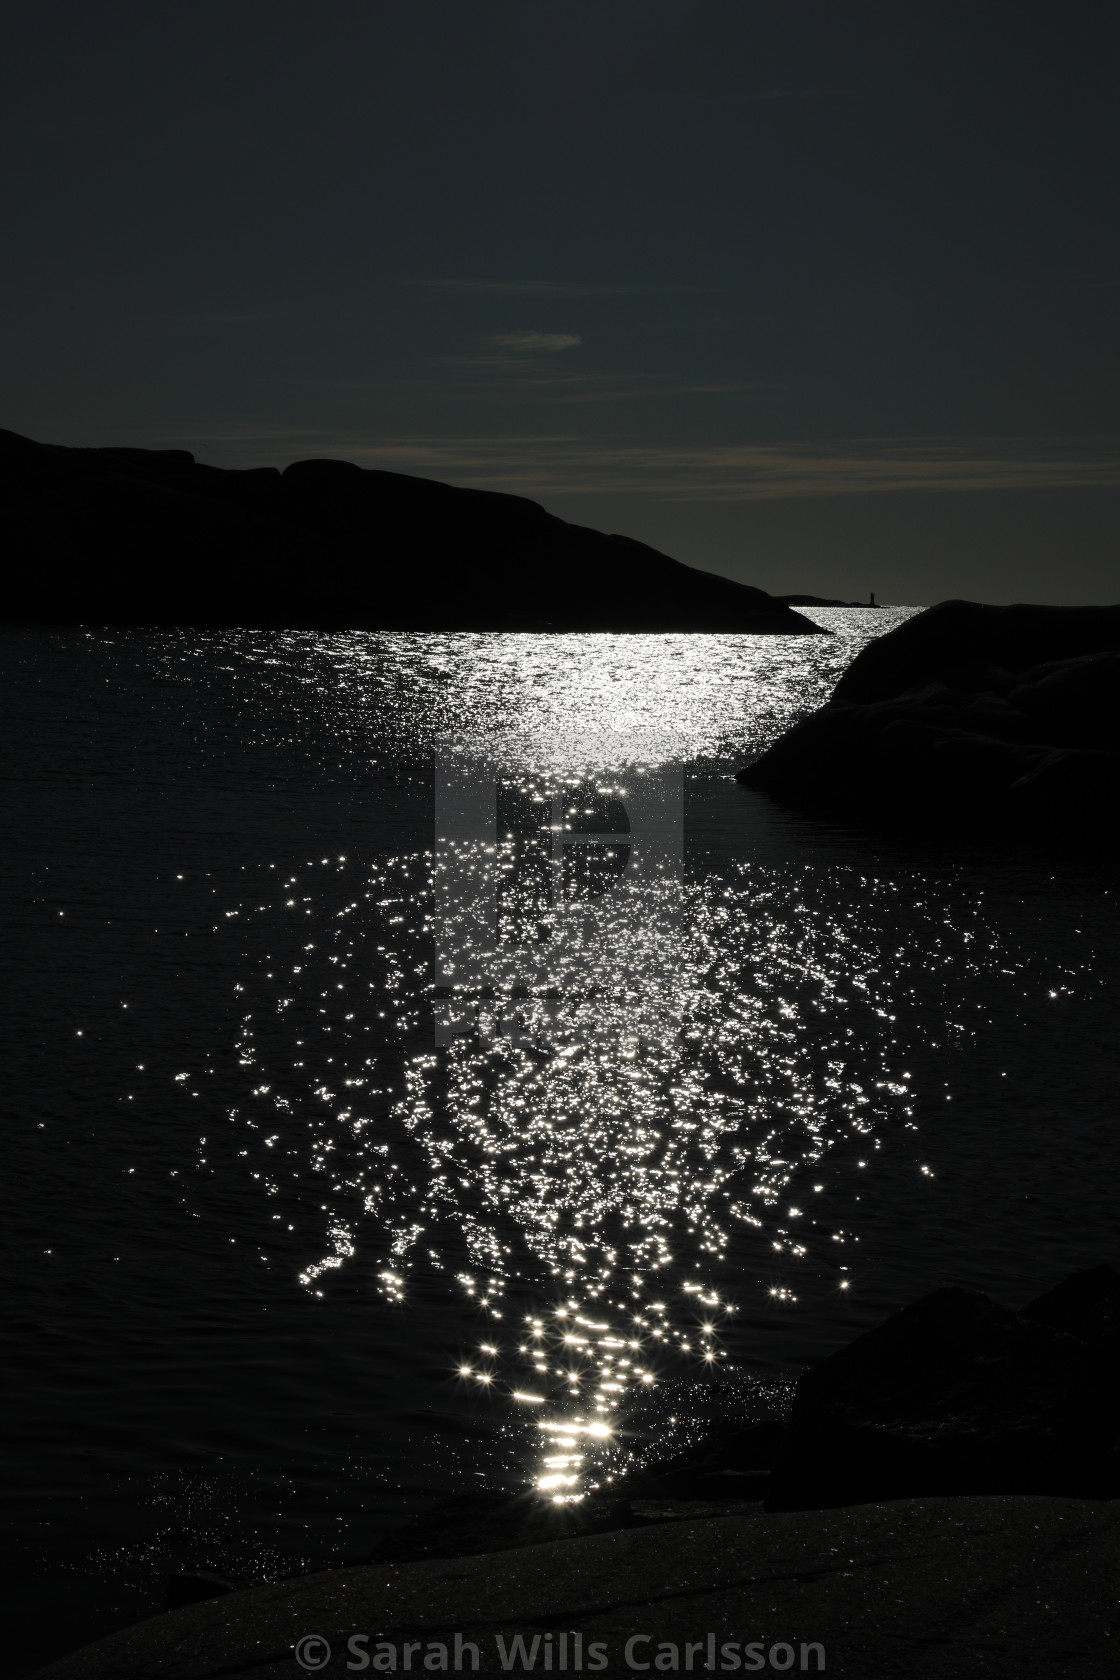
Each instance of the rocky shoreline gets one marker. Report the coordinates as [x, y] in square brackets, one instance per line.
[967, 720]
[940, 1500]
[951, 1396]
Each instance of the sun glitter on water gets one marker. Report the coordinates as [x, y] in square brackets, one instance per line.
[543, 1067]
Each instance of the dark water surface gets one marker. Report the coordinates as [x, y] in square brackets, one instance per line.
[355, 1158]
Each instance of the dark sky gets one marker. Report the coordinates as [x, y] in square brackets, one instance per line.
[822, 295]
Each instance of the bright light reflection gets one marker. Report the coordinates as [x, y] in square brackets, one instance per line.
[626, 1133]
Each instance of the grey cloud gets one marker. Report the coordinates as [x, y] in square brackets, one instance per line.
[535, 340]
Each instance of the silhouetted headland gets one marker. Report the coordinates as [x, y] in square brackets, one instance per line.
[967, 718]
[140, 536]
[822, 601]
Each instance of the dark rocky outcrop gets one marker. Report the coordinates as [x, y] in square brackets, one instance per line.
[968, 718]
[734, 1461]
[195, 1588]
[956, 1395]
[970, 636]
[951, 1396]
[730, 1466]
[136, 536]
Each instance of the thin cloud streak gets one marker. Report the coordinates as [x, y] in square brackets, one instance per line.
[751, 98]
[517, 372]
[557, 288]
[523, 340]
[567, 464]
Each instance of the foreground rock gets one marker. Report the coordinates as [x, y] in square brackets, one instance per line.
[136, 536]
[1015, 1415]
[916, 1590]
[968, 718]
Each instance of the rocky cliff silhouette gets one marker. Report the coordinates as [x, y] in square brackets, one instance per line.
[139, 536]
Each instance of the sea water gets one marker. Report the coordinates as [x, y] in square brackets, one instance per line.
[427, 1069]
